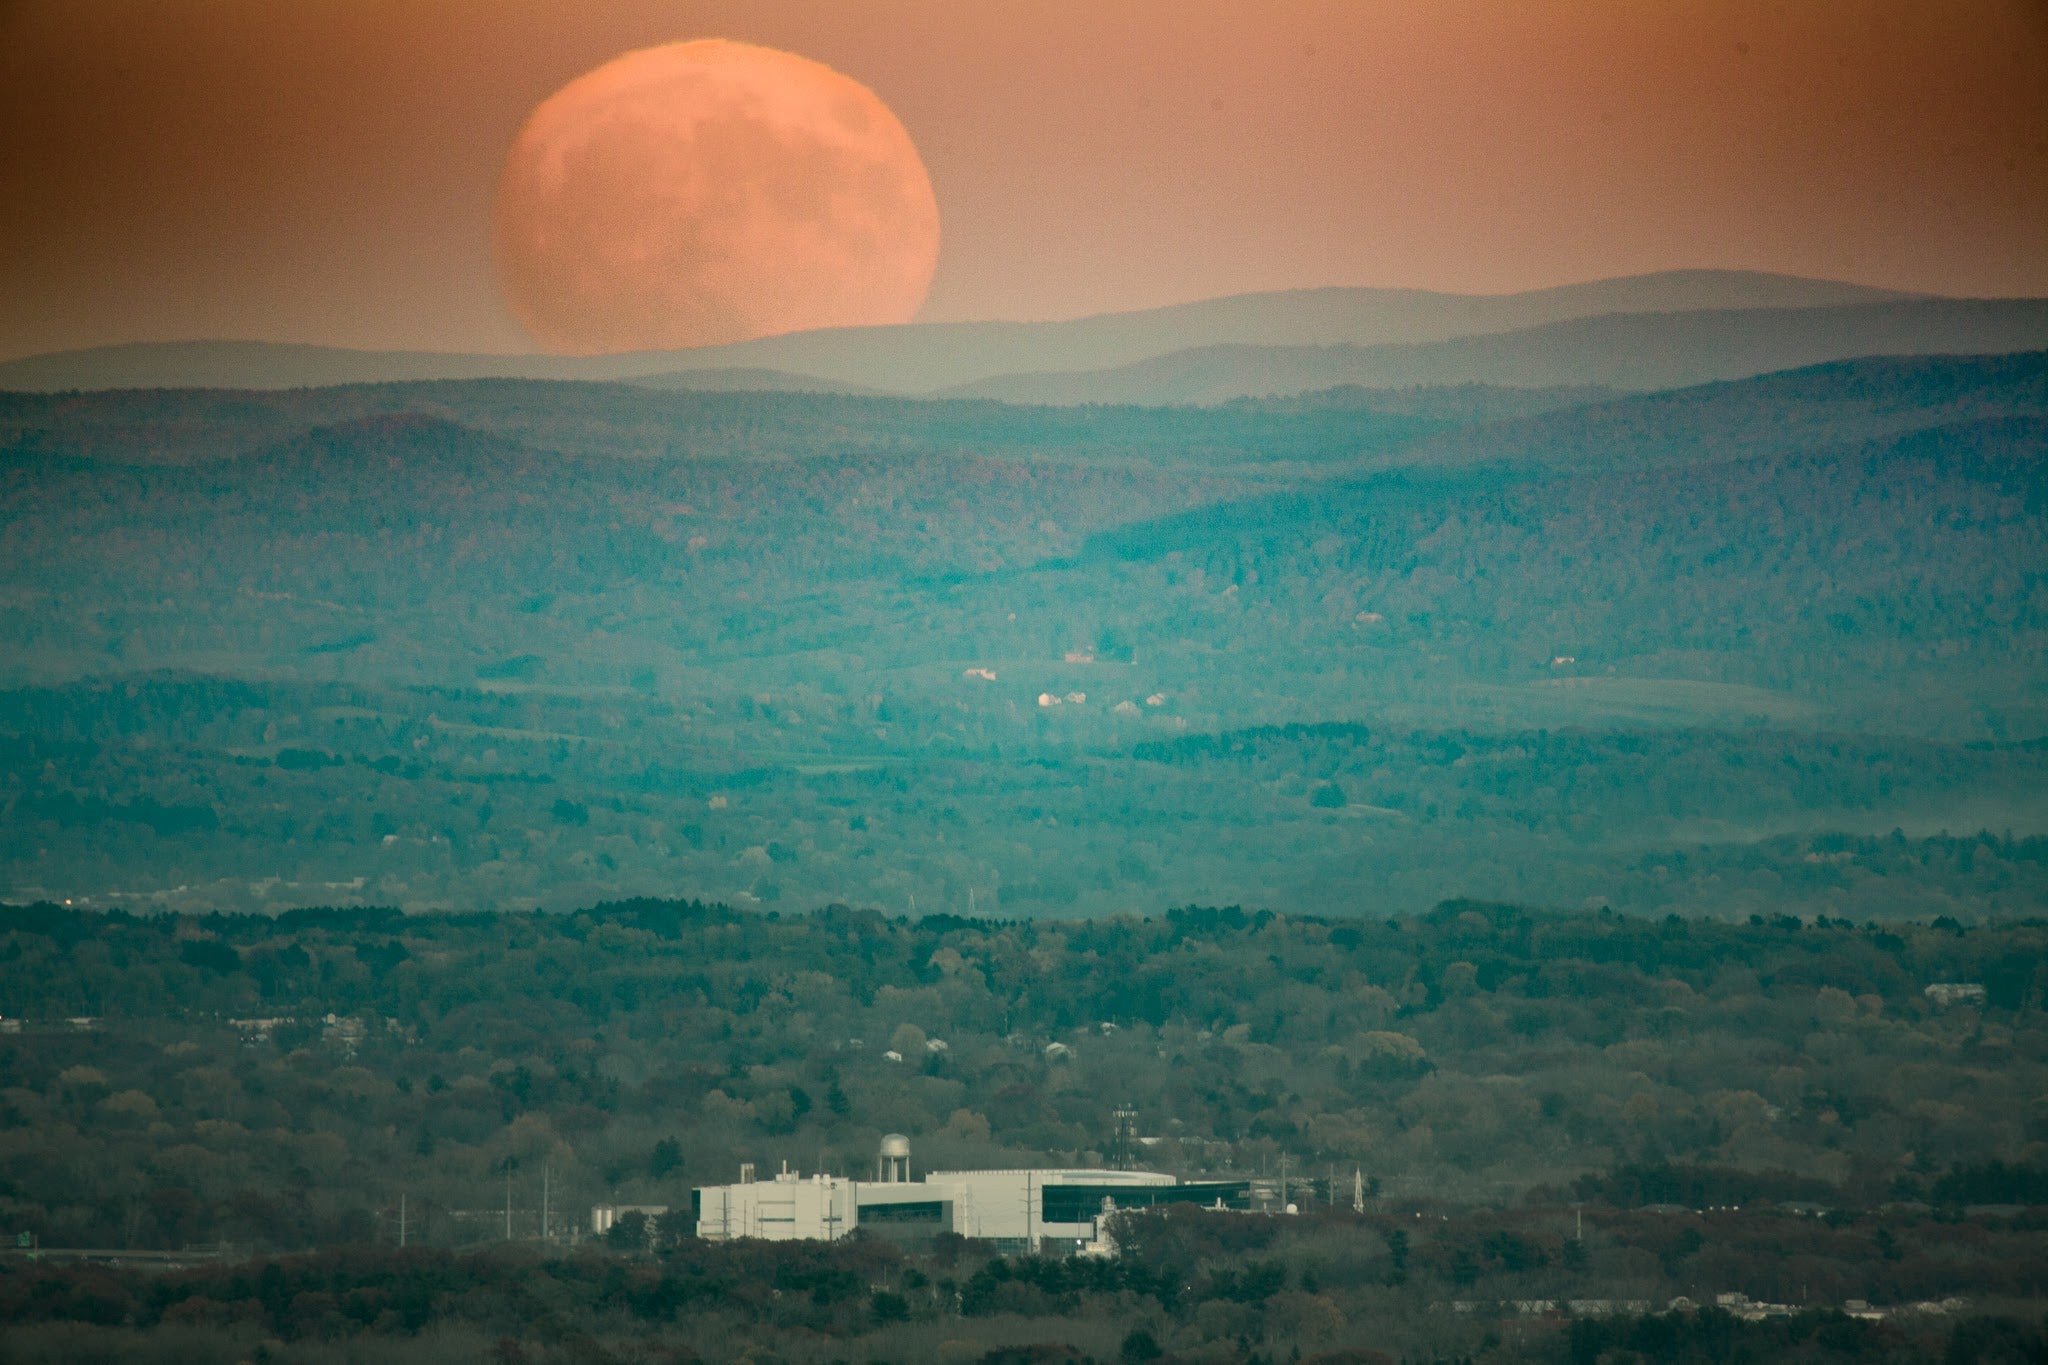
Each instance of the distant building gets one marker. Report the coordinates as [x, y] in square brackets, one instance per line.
[1946, 993]
[343, 1033]
[604, 1217]
[254, 1031]
[1013, 1210]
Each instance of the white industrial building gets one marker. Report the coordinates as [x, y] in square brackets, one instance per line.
[1019, 1210]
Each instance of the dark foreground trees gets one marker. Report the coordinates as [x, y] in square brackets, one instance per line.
[1193, 1287]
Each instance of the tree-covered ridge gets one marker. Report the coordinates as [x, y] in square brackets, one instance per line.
[239, 432]
[838, 649]
[1555, 1094]
[1479, 1049]
[1331, 1286]
[508, 793]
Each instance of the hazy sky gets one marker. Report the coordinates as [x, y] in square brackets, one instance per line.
[323, 170]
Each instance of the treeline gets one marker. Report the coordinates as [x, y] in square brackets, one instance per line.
[1186, 1285]
[200, 427]
[406, 626]
[238, 794]
[287, 1082]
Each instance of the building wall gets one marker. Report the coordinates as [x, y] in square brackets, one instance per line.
[785, 1208]
[1008, 1206]
[1005, 1207]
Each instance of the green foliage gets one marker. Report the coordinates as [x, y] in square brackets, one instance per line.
[1139, 1345]
[624, 1049]
[1194, 1282]
[504, 645]
[1994, 1182]
[1745, 663]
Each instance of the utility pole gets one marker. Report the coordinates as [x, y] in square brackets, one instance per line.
[401, 1218]
[546, 1172]
[508, 1199]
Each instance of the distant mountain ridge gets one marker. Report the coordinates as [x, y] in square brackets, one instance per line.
[1641, 352]
[1825, 407]
[927, 357]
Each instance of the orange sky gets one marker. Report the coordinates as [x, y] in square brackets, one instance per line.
[323, 170]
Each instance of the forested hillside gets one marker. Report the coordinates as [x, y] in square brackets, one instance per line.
[1536, 1105]
[1480, 1051]
[1767, 647]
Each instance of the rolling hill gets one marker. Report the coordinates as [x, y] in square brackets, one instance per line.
[925, 357]
[1637, 351]
[1820, 407]
[518, 643]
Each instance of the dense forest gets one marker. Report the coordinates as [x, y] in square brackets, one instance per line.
[1772, 646]
[1540, 1108]
[1622, 822]
[249, 794]
[1334, 1287]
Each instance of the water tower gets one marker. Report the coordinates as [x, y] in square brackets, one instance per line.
[892, 1162]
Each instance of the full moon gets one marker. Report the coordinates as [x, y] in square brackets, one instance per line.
[707, 192]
